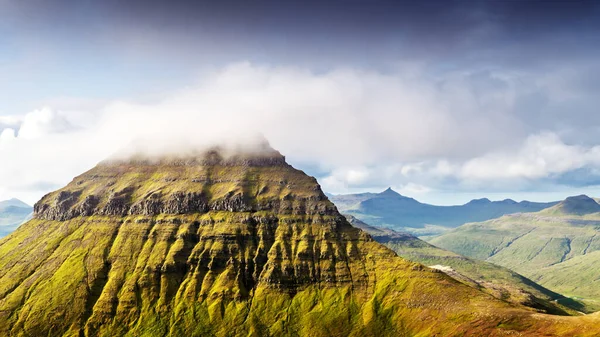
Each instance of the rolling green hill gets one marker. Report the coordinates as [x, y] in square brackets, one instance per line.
[496, 280]
[557, 247]
[390, 209]
[228, 244]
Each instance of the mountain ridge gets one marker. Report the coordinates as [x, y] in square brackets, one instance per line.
[391, 209]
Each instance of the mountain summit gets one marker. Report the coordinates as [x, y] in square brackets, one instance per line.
[224, 244]
[575, 205]
[14, 202]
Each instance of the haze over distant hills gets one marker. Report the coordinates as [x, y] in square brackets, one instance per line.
[394, 210]
[12, 213]
[558, 247]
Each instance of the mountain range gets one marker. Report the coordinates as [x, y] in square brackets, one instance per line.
[226, 243]
[12, 213]
[390, 209]
[558, 247]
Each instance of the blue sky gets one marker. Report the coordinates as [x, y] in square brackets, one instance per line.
[442, 100]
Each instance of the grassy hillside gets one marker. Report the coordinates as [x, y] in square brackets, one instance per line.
[390, 209]
[496, 280]
[555, 247]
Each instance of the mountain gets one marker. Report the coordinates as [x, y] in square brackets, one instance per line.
[12, 213]
[577, 205]
[390, 209]
[495, 280]
[13, 203]
[557, 247]
[227, 243]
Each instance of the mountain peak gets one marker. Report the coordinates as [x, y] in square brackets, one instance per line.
[479, 201]
[576, 205]
[14, 202]
[390, 192]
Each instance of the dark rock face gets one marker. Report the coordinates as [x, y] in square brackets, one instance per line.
[61, 209]
[211, 182]
[88, 206]
[119, 204]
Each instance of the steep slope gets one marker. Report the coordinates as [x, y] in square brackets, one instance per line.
[226, 245]
[555, 247]
[12, 213]
[495, 280]
[390, 209]
[578, 275]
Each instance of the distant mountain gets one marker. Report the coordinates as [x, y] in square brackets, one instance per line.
[392, 209]
[13, 212]
[498, 281]
[13, 203]
[577, 205]
[558, 247]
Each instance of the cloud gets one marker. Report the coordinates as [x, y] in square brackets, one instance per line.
[7, 134]
[43, 122]
[541, 155]
[35, 124]
[541, 159]
[367, 129]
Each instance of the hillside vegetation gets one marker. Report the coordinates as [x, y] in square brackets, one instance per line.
[493, 279]
[557, 247]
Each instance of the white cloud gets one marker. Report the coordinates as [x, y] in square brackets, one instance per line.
[367, 129]
[7, 134]
[539, 158]
[412, 189]
[342, 178]
[42, 122]
[541, 155]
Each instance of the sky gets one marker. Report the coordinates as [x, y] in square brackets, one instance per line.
[444, 101]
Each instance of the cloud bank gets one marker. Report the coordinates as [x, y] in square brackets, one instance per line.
[354, 129]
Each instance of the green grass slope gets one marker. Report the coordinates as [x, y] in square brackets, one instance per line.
[496, 280]
[236, 245]
[555, 247]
